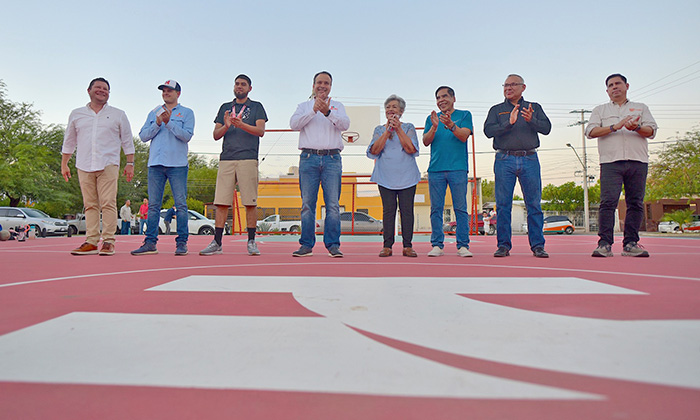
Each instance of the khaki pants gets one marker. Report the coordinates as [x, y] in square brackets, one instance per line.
[100, 196]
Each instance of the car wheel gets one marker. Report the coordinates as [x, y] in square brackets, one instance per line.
[492, 230]
[206, 230]
[72, 230]
[569, 230]
[294, 228]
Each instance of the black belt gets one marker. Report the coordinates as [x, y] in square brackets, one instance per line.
[517, 152]
[321, 152]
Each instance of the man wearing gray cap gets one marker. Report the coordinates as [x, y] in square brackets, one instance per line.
[169, 128]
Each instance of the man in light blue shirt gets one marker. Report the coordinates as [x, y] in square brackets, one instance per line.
[446, 133]
[169, 128]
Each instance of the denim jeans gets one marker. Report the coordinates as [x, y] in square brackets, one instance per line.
[157, 176]
[437, 185]
[526, 169]
[326, 171]
[405, 199]
[126, 228]
[633, 175]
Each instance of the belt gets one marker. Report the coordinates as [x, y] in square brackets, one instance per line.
[517, 152]
[321, 152]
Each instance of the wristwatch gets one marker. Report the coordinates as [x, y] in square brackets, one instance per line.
[328, 113]
[639, 127]
[453, 128]
[612, 128]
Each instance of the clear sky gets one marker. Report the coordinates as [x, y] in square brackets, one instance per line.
[49, 51]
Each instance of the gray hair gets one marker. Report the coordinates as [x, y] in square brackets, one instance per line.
[518, 76]
[402, 103]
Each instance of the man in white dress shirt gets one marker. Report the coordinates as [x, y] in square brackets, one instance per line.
[320, 122]
[98, 131]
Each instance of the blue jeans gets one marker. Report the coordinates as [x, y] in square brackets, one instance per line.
[157, 176]
[126, 228]
[437, 184]
[142, 226]
[526, 169]
[326, 171]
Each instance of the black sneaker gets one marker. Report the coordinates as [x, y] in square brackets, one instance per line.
[303, 252]
[501, 252]
[181, 249]
[603, 250]
[633, 249]
[539, 252]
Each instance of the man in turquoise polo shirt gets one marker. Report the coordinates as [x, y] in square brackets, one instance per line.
[446, 133]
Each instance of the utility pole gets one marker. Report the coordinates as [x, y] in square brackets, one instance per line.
[582, 123]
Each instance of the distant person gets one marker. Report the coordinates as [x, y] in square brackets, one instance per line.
[623, 129]
[514, 125]
[320, 122]
[143, 216]
[241, 123]
[394, 148]
[168, 218]
[446, 133]
[97, 131]
[125, 214]
[493, 220]
[169, 127]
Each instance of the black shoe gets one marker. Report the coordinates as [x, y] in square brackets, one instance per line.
[501, 252]
[540, 253]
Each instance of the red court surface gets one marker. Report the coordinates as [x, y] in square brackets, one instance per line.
[362, 337]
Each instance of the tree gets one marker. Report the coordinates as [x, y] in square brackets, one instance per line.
[676, 172]
[28, 159]
[488, 190]
[565, 197]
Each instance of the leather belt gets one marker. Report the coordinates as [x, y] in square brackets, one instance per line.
[321, 152]
[520, 153]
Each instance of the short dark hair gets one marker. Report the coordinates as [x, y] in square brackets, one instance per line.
[450, 91]
[244, 77]
[98, 79]
[624, 79]
[322, 72]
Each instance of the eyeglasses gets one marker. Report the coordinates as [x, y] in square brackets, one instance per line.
[512, 85]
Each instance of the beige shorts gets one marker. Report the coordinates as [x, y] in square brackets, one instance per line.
[243, 173]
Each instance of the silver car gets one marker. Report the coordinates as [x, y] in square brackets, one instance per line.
[44, 225]
[363, 223]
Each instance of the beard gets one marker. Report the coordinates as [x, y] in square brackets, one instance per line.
[240, 95]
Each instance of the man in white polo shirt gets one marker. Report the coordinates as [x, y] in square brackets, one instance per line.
[98, 131]
[623, 129]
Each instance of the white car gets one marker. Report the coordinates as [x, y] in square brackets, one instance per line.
[198, 224]
[668, 227]
[14, 217]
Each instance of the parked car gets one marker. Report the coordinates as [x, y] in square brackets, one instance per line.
[669, 227]
[198, 224]
[363, 223]
[450, 228]
[556, 224]
[44, 225]
[273, 223]
[77, 225]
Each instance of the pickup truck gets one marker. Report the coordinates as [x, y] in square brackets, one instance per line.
[273, 223]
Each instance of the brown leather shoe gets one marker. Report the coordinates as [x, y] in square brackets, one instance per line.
[385, 252]
[85, 249]
[107, 248]
[409, 252]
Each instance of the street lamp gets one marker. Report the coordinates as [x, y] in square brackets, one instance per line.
[586, 216]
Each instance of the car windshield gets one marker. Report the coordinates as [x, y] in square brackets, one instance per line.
[35, 213]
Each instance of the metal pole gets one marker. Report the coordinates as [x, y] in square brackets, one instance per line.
[586, 212]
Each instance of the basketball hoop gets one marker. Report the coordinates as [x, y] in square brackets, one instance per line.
[350, 136]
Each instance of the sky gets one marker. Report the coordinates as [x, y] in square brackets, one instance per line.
[49, 51]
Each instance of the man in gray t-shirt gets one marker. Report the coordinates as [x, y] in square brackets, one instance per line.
[241, 123]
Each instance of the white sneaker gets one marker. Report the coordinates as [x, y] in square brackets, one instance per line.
[464, 252]
[436, 252]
